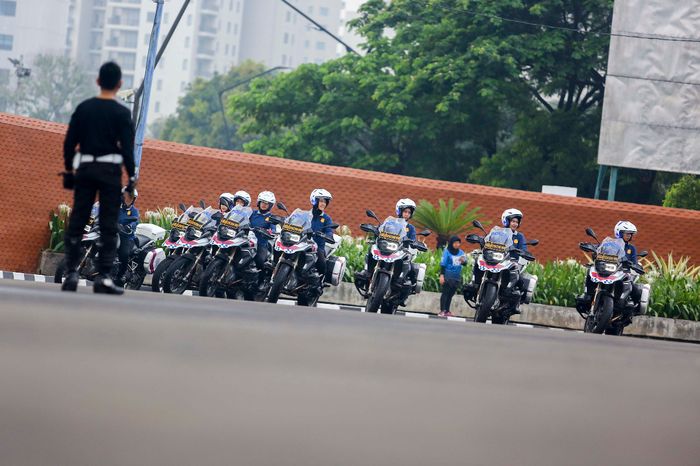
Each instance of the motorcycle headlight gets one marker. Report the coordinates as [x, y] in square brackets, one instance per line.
[290, 238]
[225, 232]
[494, 256]
[605, 267]
[388, 246]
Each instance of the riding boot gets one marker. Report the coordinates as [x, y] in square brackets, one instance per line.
[104, 284]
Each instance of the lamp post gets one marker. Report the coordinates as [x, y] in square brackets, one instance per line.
[235, 85]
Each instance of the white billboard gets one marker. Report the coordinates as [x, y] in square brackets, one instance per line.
[651, 111]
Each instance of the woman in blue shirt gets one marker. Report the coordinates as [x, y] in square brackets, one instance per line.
[453, 259]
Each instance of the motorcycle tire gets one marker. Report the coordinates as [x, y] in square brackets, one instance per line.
[173, 279]
[135, 281]
[488, 297]
[278, 282]
[214, 271]
[156, 284]
[599, 319]
[378, 291]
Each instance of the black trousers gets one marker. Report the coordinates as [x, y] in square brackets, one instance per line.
[321, 262]
[448, 291]
[126, 244]
[91, 179]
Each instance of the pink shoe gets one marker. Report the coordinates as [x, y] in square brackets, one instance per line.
[446, 314]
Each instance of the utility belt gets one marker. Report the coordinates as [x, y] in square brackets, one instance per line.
[80, 159]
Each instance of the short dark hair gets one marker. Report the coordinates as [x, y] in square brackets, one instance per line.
[110, 75]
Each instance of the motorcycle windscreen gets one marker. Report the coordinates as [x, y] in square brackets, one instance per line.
[500, 236]
[239, 216]
[393, 229]
[203, 218]
[611, 249]
[299, 221]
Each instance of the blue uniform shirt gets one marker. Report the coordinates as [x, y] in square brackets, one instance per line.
[519, 241]
[452, 264]
[410, 232]
[259, 219]
[631, 252]
[128, 217]
[320, 223]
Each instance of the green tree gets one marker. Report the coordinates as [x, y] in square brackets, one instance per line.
[439, 88]
[199, 118]
[56, 86]
[685, 194]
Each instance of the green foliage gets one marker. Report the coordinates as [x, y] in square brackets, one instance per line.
[57, 227]
[675, 287]
[446, 219]
[684, 194]
[199, 119]
[559, 282]
[54, 89]
[163, 218]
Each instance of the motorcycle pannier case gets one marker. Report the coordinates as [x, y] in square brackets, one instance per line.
[150, 231]
[530, 282]
[420, 277]
[335, 269]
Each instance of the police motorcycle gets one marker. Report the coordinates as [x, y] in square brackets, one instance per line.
[504, 284]
[612, 307]
[390, 283]
[294, 273]
[171, 246]
[185, 271]
[142, 259]
[232, 271]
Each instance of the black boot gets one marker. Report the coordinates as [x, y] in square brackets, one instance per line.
[583, 303]
[70, 281]
[105, 285]
[469, 291]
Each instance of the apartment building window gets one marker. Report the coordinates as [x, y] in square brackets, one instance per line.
[6, 42]
[226, 49]
[95, 40]
[157, 107]
[306, 44]
[8, 8]
[228, 27]
[289, 17]
[320, 46]
[233, 50]
[235, 28]
[284, 59]
[286, 38]
[184, 64]
[146, 38]
[126, 60]
[238, 7]
[128, 81]
[323, 11]
[183, 84]
[311, 10]
[189, 20]
[99, 3]
[187, 42]
[150, 16]
[98, 19]
[4, 76]
[230, 5]
[159, 85]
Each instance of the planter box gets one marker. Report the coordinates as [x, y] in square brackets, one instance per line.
[49, 262]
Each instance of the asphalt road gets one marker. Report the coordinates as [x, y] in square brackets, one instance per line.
[147, 379]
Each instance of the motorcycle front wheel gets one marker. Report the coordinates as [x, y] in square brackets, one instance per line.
[278, 282]
[488, 297]
[599, 319]
[378, 291]
[156, 284]
[175, 278]
[212, 274]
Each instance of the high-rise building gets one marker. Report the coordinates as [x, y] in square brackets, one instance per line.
[276, 35]
[29, 28]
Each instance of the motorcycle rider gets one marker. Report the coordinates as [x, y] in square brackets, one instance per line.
[241, 199]
[405, 209]
[128, 221]
[624, 230]
[225, 205]
[261, 219]
[320, 199]
[510, 218]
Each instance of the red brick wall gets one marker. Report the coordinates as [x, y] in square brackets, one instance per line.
[30, 158]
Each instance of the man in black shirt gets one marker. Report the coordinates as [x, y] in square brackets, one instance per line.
[105, 133]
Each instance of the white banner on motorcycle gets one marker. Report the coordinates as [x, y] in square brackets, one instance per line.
[651, 116]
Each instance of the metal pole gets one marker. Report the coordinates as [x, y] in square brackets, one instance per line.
[147, 81]
[139, 91]
[612, 186]
[599, 183]
[320, 27]
[235, 85]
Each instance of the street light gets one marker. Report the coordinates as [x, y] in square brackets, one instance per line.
[235, 85]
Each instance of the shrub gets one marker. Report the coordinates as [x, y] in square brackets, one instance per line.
[684, 194]
[57, 227]
[446, 219]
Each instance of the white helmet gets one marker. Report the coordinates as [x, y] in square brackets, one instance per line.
[320, 193]
[241, 195]
[623, 226]
[267, 196]
[405, 204]
[509, 214]
[227, 200]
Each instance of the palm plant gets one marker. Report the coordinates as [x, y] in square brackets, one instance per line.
[446, 219]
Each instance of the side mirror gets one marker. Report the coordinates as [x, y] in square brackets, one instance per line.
[473, 238]
[590, 233]
[425, 232]
[419, 245]
[282, 207]
[368, 227]
[371, 214]
[532, 242]
[478, 225]
[642, 253]
[202, 204]
[182, 207]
